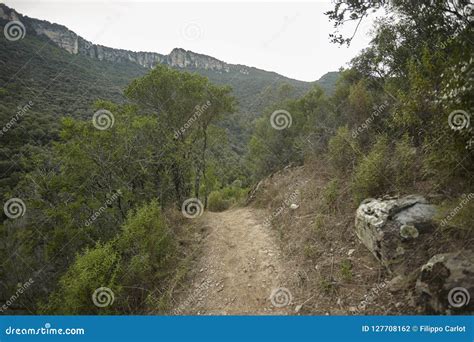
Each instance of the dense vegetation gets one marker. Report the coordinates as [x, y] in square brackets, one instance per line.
[82, 189]
[57, 84]
[398, 120]
[98, 193]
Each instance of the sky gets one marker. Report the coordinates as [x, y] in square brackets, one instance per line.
[290, 38]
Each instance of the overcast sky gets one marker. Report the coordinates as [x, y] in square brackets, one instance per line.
[286, 37]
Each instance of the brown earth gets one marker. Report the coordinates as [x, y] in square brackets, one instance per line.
[241, 270]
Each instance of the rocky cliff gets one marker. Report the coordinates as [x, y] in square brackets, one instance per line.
[75, 44]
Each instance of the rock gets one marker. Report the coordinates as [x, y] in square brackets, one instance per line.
[397, 283]
[446, 283]
[391, 226]
[350, 251]
[294, 206]
[75, 44]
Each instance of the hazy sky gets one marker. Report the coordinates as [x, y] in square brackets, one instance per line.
[286, 37]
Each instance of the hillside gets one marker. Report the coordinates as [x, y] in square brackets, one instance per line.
[247, 82]
[145, 183]
[62, 75]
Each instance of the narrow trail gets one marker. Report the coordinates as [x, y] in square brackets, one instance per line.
[240, 268]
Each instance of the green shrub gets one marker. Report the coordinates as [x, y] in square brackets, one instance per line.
[136, 264]
[216, 201]
[220, 200]
[95, 268]
[330, 195]
[447, 161]
[457, 213]
[346, 269]
[404, 166]
[372, 174]
[342, 151]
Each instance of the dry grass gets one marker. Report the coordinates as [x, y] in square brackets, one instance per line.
[336, 273]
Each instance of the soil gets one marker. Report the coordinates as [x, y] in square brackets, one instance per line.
[241, 270]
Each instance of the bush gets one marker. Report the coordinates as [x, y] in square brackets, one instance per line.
[216, 201]
[342, 151]
[372, 173]
[346, 269]
[404, 166]
[330, 195]
[223, 199]
[95, 268]
[135, 265]
[457, 213]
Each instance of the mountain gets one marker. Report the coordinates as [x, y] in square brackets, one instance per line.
[247, 82]
[48, 72]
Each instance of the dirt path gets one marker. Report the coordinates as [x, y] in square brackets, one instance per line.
[241, 271]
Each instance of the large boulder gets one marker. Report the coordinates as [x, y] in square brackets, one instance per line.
[446, 283]
[392, 227]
